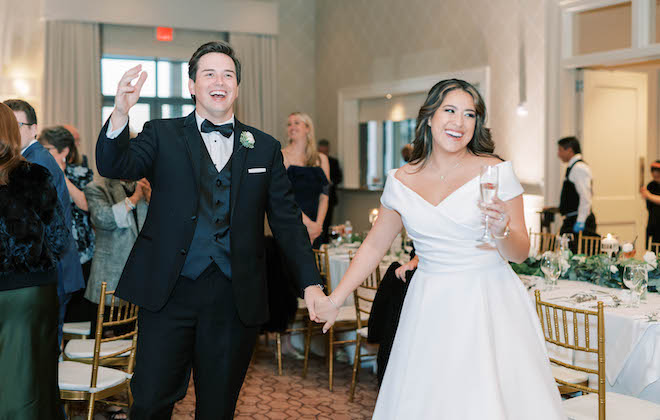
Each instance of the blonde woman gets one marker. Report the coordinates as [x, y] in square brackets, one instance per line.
[308, 171]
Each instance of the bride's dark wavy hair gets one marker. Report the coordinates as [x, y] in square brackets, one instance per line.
[481, 143]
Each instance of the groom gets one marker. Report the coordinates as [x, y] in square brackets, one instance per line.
[197, 267]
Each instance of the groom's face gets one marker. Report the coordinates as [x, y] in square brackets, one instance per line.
[215, 87]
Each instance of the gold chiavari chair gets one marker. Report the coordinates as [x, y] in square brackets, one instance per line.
[300, 317]
[558, 324]
[91, 380]
[588, 245]
[654, 246]
[363, 298]
[322, 259]
[542, 241]
[345, 322]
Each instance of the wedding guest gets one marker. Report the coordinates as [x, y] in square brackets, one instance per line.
[117, 211]
[309, 173]
[81, 159]
[652, 196]
[62, 146]
[69, 271]
[336, 177]
[32, 236]
[576, 192]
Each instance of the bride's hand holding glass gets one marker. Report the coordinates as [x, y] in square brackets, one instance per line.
[498, 219]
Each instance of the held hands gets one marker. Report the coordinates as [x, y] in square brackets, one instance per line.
[127, 93]
[326, 311]
[498, 219]
[320, 308]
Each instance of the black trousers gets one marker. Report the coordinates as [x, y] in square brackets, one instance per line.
[198, 329]
[589, 229]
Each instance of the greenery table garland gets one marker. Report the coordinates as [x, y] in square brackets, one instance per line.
[597, 269]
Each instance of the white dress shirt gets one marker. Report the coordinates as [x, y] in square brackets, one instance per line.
[219, 147]
[580, 175]
[26, 147]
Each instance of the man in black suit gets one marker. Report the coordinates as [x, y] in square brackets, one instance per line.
[336, 177]
[197, 267]
[69, 271]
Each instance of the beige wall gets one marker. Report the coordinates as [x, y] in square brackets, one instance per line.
[21, 51]
[607, 28]
[296, 67]
[363, 42]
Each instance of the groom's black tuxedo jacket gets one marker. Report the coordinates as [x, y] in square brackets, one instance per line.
[168, 154]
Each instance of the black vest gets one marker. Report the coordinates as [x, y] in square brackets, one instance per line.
[570, 200]
[211, 239]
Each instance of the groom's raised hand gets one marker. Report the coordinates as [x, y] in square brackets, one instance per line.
[127, 95]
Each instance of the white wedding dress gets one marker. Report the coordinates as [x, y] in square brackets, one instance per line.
[469, 344]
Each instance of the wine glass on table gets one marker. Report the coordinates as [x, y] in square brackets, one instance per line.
[334, 236]
[551, 268]
[634, 276]
[488, 182]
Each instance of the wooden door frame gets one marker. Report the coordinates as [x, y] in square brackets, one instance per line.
[562, 65]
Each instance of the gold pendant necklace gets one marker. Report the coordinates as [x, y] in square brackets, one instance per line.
[442, 177]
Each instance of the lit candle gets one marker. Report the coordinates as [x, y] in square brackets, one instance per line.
[609, 244]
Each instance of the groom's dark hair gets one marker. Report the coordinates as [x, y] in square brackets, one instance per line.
[213, 47]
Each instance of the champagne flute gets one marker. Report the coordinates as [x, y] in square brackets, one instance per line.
[488, 183]
[551, 268]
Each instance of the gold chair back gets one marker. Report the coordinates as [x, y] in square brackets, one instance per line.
[588, 245]
[542, 241]
[556, 322]
[121, 313]
[654, 246]
[323, 264]
[363, 296]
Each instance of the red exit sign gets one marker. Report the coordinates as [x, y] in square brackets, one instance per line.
[164, 34]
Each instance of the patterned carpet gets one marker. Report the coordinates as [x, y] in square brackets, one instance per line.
[267, 396]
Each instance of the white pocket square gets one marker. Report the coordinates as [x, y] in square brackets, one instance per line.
[256, 170]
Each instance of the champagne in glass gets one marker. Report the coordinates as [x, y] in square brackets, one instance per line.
[488, 183]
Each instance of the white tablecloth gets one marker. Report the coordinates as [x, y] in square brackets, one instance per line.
[632, 335]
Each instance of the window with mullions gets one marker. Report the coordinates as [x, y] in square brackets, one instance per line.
[164, 94]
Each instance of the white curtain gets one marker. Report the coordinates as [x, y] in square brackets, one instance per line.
[72, 80]
[257, 99]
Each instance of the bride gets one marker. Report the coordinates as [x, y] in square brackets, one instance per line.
[469, 344]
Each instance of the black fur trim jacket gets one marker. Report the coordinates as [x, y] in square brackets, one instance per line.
[32, 229]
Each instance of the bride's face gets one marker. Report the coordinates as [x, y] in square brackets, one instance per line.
[452, 125]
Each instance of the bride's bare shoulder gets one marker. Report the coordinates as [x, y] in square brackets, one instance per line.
[488, 160]
[406, 171]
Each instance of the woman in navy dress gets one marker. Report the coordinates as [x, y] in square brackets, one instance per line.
[309, 172]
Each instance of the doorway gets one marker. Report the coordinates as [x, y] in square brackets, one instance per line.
[613, 115]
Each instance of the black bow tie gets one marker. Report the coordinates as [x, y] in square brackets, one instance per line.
[225, 129]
